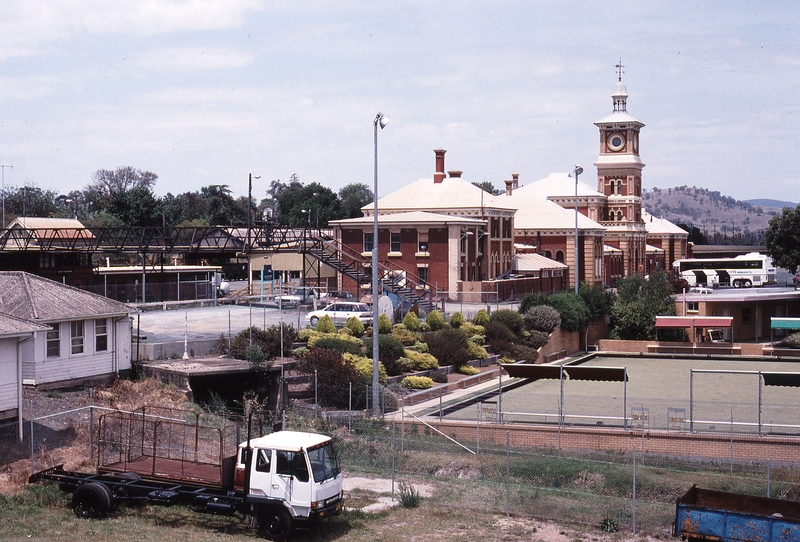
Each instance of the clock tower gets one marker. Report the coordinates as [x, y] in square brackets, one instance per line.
[619, 177]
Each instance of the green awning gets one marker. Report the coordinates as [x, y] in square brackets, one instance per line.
[782, 379]
[785, 323]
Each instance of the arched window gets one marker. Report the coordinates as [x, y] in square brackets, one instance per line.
[559, 256]
[619, 187]
[619, 215]
[548, 254]
[611, 187]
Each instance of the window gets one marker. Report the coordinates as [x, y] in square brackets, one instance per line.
[54, 342]
[263, 460]
[100, 335]
[77, 336]
[746, 314]
[559, 256]
[292, 464]
[395, 242]
[422, 273]
[619, 188]
[368, 241]
[611, 187]
[692, 306]
[495, 228]
[619, 215]
[506, 227]
[422, 242]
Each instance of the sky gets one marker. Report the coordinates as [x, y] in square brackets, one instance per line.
[206, 92]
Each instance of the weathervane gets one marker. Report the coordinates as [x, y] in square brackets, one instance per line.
[619, 69]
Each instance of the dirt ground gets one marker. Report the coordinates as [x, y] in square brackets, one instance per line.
[64, 439]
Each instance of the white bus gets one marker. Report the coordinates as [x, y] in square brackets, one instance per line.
[742, 271]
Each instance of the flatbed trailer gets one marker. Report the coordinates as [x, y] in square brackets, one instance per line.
[706, 514]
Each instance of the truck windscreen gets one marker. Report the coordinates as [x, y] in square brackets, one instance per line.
[324, 463]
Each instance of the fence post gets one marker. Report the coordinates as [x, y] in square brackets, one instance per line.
[33, 464]
[91, 424]
[634, 489]
[402, 424]
[393, 457]
[769, 493]
[508, 473]
[478, 430]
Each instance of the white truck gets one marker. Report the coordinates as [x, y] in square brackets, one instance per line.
[278, 480]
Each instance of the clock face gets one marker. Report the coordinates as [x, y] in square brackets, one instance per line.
[616, 142]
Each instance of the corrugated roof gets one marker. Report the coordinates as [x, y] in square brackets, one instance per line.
[65, 228]
[655, 225]
[413, 217]
[426, 195]
[35, 298]
[536, 262]
[11, 326]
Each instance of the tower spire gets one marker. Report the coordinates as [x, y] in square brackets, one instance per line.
[619, 67]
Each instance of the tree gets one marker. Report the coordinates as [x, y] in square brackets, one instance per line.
[135, 207]
[105, 183]
[220, 207]
[783, 239]
[302, 205]
[30, 201]
[695, 235]
[487, 186]
[638, 303]
[354, 196]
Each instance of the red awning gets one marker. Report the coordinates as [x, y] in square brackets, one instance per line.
[694, 321]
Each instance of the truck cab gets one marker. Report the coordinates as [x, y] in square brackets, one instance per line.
[292, 474]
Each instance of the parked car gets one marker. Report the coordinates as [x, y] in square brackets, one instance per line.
[341, 311]
[338, 295]
[302, 295]
[701, 290]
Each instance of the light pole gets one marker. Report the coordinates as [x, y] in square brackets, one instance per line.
[3, 189]
[250, 210]
[577, 171]
[381, 121]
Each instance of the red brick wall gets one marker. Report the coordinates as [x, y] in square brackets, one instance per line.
[664, 443]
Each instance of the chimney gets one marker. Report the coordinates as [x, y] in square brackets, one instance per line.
[509, 187]
[438, 175]
[514, 181]
[455, 173]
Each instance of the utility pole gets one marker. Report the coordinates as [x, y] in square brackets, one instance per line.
[3, 177]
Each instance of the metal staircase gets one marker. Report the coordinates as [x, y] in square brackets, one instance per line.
[392, 278]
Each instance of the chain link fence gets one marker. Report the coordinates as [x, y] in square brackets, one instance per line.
[624, 491]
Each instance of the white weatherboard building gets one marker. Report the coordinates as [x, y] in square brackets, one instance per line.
[58, 335]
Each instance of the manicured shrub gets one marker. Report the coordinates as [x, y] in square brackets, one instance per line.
[537, 339]
[325, 325]
[529, 301]
[355, 326]
[435, 320]
[404, 335]
[419, 346]
[472, 330]
[481, 318]
[439, 377]
[525, 353]
[448, 346]
[340, 343]
[477, 339]
[573, 311]
[257, 337]
[420, 361]
[363, 366]
[468, 370]
[542, 318]
[384, 324]
[476, 351]
[424, 327]
[334, 376]
[304, 334]
[500, 338]
[513, 320]
[457, 320]
[390, 350]
[411, 321]
[417, 382]
[273, 339]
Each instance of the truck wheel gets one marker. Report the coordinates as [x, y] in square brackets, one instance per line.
[314, 321]
[737, 284]
[92, 501]
[274, 523]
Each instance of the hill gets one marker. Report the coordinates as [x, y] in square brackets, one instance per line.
[721, 218]
[780, 204]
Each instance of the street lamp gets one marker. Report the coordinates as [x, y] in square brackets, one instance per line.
[577, 171]
[381, 121]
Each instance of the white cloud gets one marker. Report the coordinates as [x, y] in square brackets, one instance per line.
[191, 58]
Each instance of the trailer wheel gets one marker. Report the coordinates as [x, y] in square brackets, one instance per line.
[92, 501]
[274, 523]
